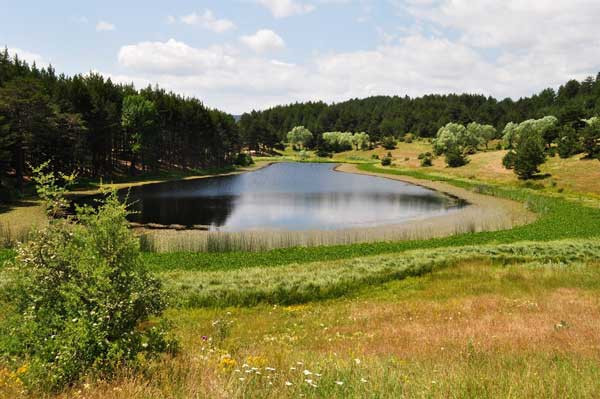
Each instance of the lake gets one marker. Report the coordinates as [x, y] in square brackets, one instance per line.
[286, 196]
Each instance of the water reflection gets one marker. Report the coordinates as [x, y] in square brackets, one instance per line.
[286, 196]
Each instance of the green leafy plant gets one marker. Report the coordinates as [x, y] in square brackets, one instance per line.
[426, 159]
[529, 156]
[388, 142]
[81, 300]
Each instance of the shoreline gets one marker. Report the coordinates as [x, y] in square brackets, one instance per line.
[482, 213]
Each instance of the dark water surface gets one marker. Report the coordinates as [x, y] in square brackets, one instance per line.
[286, 196]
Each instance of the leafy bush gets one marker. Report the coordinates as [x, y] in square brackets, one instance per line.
[567, 142]
[374, 156]
[591, 138]
[389, 143]
[508, 161]
[529, 156]
[409, 137]
[80, 299]
[386, 161]
[426, 159]
[323, 153]
[244, 159]
[455, 158]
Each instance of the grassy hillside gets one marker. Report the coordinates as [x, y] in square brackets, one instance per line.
[510, 313]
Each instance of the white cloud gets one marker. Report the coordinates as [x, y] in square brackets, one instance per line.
[508, 49]
[263, 40]
[28, 56]
[286, 8]
[103, 26]
[207, 20]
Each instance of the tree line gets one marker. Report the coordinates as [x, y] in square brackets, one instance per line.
[385, 116]
[91, 125]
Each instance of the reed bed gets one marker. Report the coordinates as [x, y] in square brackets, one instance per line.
[468, 221]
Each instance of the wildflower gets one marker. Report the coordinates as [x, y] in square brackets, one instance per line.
[292, 368]
[289, 384]
[227, 363]
[357, 361]
[363, 380]
[204, 338]
[306, 372]
[269, 369]
[242, 378]
[340, 382]
[318, 375]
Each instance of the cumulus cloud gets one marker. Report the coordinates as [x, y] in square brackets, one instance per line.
[207, 20]
[103, 26]
[263, 40]
[286, 8]
[456, 46]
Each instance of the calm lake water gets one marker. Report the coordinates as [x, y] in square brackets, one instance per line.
[286, 196]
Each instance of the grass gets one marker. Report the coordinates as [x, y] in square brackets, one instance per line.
[479, 329]
[301, 283]
[558, 219]
[509, 313]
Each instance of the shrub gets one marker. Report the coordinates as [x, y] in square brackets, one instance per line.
[426, 159]
[409, 137]
[244, 159]
[386, 161]
[508, 161]
[567, 142]
[529, 156]
[81, 299]
[389, 143]
[591, 138]
[323, 153]
[455, 158]
[374, 156]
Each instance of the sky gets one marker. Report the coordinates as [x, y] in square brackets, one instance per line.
[240, 55]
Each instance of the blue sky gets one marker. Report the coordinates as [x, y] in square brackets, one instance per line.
[239, 55]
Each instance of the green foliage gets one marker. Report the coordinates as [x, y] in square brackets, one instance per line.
[454, 141]
[426, 159]
[299, 136]
[529, 154]
[455, 157]
[361, 141]
[138, 119]
[591, 138]
[77, 123]
[567, 143]
[338, 141]
[79, 295]
[508, 161]
[50, 191]
[513, 133]
[388, 142]
[386, 161]
[244, 160]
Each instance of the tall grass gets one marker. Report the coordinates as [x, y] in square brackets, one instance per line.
[463, 221]
[298, 283]
[9, 236]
